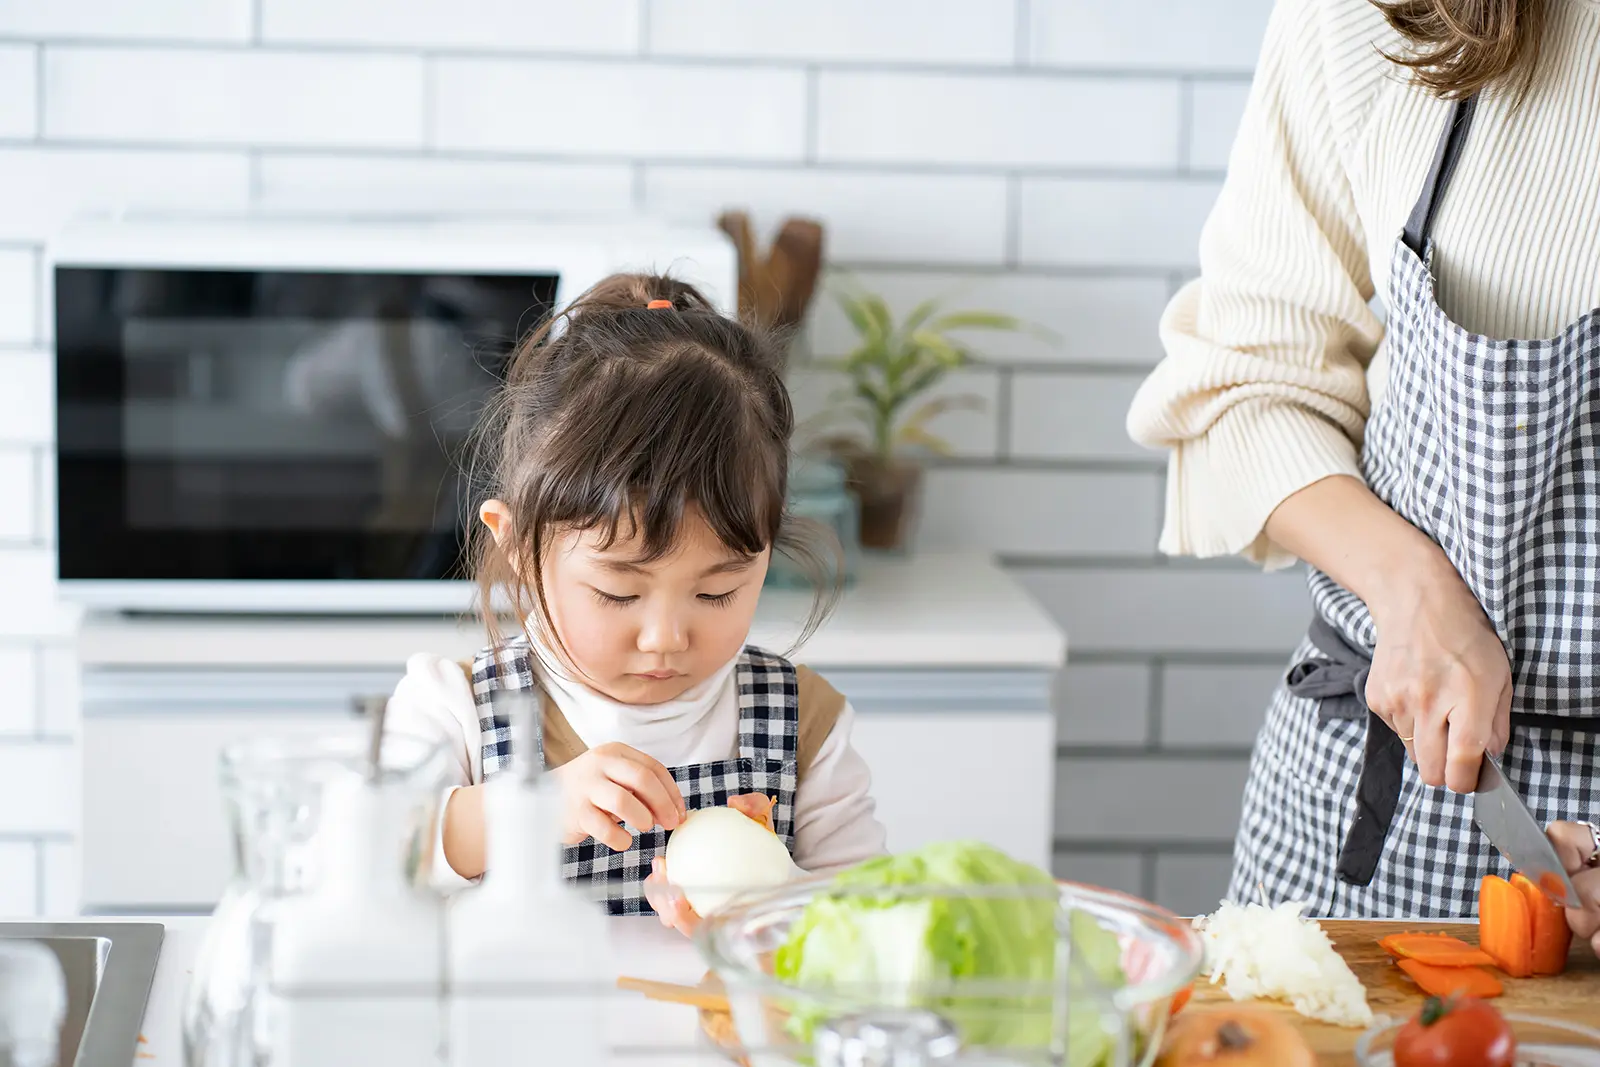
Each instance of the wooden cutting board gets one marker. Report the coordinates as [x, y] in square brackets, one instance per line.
[1570, 997]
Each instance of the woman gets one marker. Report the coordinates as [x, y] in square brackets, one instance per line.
[1440, 472]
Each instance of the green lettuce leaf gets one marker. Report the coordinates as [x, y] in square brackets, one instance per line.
[884, 949]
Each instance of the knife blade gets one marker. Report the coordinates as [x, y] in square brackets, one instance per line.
[1511, 828]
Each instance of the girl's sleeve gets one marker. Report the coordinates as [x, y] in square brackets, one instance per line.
[1263, 388]
[836, 821]
[433, 703]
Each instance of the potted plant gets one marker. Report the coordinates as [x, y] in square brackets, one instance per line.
[887, 376]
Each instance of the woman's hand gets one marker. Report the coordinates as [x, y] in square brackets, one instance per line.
[612, 784]
[1575, 843]
[668, 901]
[1440, 676]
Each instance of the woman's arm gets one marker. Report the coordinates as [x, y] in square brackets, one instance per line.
[1263, 389]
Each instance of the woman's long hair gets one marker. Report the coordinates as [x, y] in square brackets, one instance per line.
[1460, 47]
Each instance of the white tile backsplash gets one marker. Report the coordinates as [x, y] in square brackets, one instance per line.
[28, 604]
[1070, 319]
[183, 96]
[27, 397]
[1121, 223]
[42, 187]
[1192, 884]
[19, 99]
[19, 297]
[1073, 416]
[986, 120]
[41, 783]
[870, 217]
[1157, 35]
[60, 711]
[358, 183]
[167, 20]
[19, 690]
[592, 26]
[654, 110]
[934, 31]
[1041, 513]
[1215, 108]
[1118, 871]
[19, 880]
[63, 878]
[19, 494]
[1180, 609]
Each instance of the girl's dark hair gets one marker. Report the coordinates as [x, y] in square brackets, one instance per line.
[620, 417]
[1459, 47]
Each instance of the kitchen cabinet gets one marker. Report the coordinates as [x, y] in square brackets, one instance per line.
[948, 664]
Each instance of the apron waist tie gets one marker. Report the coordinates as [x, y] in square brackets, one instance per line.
[1337, 678]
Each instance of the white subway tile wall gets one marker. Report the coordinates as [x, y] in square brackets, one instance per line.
[1050, 158]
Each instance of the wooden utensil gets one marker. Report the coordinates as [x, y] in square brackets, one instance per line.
[696, 996]
[776, 289]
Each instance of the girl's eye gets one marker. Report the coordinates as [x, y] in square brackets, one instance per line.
[719, 599]
[613, 601]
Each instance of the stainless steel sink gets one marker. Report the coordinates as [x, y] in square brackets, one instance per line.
[109, 967]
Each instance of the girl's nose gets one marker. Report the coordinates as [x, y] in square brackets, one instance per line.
[663, 633]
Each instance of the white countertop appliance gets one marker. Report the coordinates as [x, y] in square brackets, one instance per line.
[272, 414]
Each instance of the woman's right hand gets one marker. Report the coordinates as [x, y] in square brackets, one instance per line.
[1440, 675]
[1575, 843]
[612, 784]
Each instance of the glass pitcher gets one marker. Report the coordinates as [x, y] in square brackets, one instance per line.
[271, 792]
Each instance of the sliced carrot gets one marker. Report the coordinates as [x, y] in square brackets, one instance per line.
[1179, 1000]
[1440, 950]
[1551, 936]
[1505, 926]
[1452, 981]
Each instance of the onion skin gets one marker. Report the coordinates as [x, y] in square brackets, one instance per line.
[1234, 1037]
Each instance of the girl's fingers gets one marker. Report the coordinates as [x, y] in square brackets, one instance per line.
[598, 825]
[1573, 844]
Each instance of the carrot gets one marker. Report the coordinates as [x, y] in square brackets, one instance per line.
[1551, 936]
[1439, 950]
[1452, 981]
[1180, 999]
[1505, 926]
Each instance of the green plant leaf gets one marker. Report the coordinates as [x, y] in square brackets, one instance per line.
[976, 320]
[946, 352]
[919, 315]
[932, 409]
[916, 436]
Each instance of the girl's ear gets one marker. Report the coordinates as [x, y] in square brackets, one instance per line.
[497, 517]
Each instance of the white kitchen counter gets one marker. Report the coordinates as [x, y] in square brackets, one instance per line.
[651, 1034]
[928, 610]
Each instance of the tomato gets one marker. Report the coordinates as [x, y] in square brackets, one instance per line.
[1458, 1032]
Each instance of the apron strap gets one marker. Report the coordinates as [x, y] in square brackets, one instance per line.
[1452, 140]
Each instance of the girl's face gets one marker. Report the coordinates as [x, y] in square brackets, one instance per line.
[643, 633]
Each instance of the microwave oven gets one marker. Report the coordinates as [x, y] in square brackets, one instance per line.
[273, 414]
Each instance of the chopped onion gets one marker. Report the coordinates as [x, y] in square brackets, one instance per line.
[718, 852]
[1275, 953]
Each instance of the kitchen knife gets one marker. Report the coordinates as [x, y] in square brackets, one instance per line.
[1511, 828]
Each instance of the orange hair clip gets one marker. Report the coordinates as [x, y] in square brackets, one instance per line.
[654, 304]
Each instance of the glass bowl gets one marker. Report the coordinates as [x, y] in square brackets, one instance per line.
[1097, 1018]
[1540, 1043]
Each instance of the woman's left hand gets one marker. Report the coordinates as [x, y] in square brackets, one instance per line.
[1575, 843]
[668, 901]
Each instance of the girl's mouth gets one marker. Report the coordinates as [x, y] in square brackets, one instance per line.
[657, 676]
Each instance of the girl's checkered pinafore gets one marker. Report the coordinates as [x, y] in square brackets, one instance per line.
[767, 763]
[1492, 448]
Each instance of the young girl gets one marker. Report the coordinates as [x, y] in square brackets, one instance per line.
[636, 465]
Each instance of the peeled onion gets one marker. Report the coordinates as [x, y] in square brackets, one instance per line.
[718, 852]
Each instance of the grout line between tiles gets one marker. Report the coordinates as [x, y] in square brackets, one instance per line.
[1003, 414]
[643, 44]
[1185, 124]
[256, 18]
[640, 185]
[38, 92]
[1024, 37]
[40, 504]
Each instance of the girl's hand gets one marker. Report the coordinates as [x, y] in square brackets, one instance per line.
[612, 784]
[1575, 843]
[1440, 677]
[668, 901]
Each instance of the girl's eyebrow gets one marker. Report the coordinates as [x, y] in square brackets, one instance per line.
[731, 565]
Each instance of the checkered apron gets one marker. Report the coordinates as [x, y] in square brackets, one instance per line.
[767, 763]
[1492, 448]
